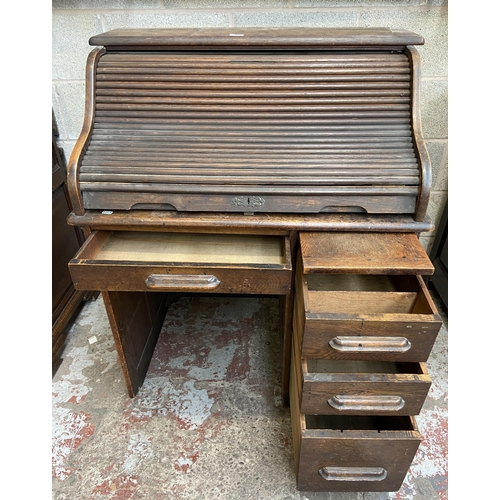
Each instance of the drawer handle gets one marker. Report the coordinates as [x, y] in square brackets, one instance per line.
[353, 473]
[188, 281]
[370, 344]
[366, 403]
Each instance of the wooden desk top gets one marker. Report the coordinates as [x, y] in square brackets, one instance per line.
[264, 38]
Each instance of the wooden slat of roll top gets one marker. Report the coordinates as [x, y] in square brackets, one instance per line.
[229, 156]
[284, 123]
[223, 168]
[352, 134]
[202, 148]
[131, 142]
[253, 57]
[261, 159]
[277, 179]
[121, 94]
[349, 145]
[285, 85]
[234, 188]
[256, 177]
[368, 72]
[253, 78]
[254, 110]
[228, 162]
[253, 102]
[199, 63]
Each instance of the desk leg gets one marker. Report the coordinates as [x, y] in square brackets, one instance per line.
[136, 319]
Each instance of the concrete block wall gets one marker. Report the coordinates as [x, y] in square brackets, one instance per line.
[75, 21]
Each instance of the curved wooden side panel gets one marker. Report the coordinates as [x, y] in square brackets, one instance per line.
[88, 120]
[422, 153]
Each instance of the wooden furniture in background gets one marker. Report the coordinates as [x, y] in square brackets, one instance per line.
[210, 159]
[439, 258]
[66, 240]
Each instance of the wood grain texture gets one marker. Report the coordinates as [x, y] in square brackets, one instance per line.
[218, 222]
[84, 137]
[368, 392]
[193, 248]
[305, 38]
[126, 261]
[392, 450]
[351, 442]
[318, 321]
[364, 253]
[136, 320]
[261, 131]
[420, 147]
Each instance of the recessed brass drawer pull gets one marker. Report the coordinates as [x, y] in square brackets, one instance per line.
[366, 403]
[370, 344]
[353, 473]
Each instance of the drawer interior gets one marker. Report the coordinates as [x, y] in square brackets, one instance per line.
[359, 423]
[366, 294]
[359, 282]
[189, 248]
[346, 366]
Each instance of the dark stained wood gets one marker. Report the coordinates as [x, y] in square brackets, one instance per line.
[65, 242]
[79, 149]
[422, 154]
[353, 445]
[303, 130]
[241, 198]
[179, 262]
[158, 220]
[374, 391]
[343, 143]
[240, 137]
[333, 387]
[267, 38]
[287, 302]
[136, 319]
[327, 331]
[363, 253]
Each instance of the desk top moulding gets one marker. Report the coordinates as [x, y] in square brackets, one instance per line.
[304, 129]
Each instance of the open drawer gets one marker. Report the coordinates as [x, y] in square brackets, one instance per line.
[351, 453]
[217, 263]
[339, 387]
[364, 317]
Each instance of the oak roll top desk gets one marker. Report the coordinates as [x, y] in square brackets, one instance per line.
[285, 162]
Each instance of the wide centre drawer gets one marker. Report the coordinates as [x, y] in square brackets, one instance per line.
[217, 263]
[351, 453]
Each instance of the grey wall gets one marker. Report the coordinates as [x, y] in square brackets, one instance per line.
[75, 21]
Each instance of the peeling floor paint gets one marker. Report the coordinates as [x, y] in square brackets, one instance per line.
[208, 422]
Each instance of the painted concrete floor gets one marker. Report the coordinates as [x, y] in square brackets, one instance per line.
[208, 423]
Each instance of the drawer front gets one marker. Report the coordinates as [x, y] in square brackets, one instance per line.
[117, 261]
[358, 394]
[405, 328]
[357, 463]
[370, 456]
[368, 339]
